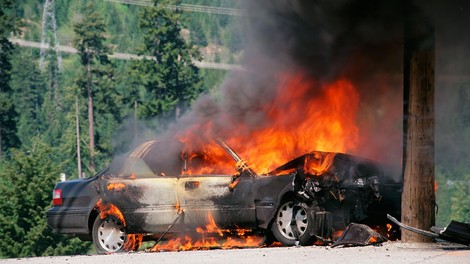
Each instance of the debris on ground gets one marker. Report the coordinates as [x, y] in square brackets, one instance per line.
[359, 235]
[456, 232]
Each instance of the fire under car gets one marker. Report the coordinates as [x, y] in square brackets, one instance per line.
[158, 196]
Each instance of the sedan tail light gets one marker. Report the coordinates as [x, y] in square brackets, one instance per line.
[57, 197]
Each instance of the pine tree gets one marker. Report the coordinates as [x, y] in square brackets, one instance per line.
[53, 108]
[8, 24]
[89, 41]
[27, 178]
[171, 80]
[28, 87]
[460, 200]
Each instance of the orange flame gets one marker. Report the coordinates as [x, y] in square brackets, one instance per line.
[303, 115]
[317, 164]
[211, 227]
[116, 186]
[337, 234]
[187, 243]
[107, 209]
[376, 238]
[373, 239]
[133, 241]
[388, 231]
[233, 183]
[295, 124]
[211, 236]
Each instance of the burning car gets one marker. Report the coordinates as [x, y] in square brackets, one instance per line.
[140, 197]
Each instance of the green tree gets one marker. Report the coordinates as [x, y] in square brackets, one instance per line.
[170, 80]
[27, 179]
[53, 106]
[90, 42]
[29, 88]
[107, 111]
[8, 24]
[461, 200]
[197, 34]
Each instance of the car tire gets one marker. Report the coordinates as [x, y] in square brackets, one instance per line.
[282, 230]
[109, 235]
[268, 239]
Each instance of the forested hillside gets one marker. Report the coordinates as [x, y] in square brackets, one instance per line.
[72, 118]
[219, 36]
[214, 37]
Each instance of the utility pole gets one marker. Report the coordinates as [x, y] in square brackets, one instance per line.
[91, 122]
[418, 198]
[135, 119]
[77, 127]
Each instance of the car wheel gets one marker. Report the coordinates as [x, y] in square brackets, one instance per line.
[282, 229]
[109, 235]
[268, 239]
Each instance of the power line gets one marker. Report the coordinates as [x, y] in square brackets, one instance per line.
[207, 9]
[186, 7]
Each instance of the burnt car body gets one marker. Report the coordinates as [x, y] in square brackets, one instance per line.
[290, 204]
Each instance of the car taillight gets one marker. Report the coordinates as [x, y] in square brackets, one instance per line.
[57, 197]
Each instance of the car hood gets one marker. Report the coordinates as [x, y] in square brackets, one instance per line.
[316, 163]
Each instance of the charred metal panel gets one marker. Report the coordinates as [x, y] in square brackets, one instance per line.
[268, 192]
[359, 235]
[210, 196]
[323, 225]
[350, 168]
[147, 204]
[350, 187]
[154, 220]
[457, 232]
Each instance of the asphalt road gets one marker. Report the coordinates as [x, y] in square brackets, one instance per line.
[389, 252]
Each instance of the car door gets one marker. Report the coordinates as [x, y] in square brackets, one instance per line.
[148, 205]
[148, 201]
[209, 197]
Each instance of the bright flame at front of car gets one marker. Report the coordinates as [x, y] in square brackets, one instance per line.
[294, 126]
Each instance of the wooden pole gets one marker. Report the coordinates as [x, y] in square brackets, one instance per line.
[91, 122]
[135, 119]
[418, 198]
[77, 127]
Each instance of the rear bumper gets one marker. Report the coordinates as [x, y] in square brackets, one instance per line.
[68, 221]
